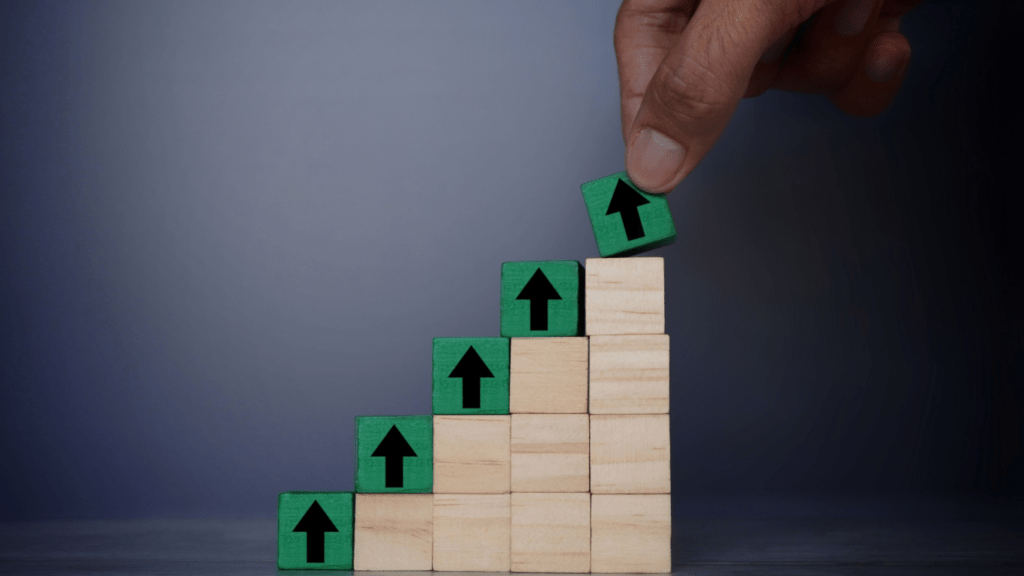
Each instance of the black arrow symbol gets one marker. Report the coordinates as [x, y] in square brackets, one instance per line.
[393, 448]
[625, 201]
[314, 523]
[538, 291]
[471, 369]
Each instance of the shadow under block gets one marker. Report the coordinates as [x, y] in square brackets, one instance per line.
[629, 454]
[470, 375]
[472, 532]
[550, 532]
[314, 530]
[394, 454]
[471, 454]
[542, 298]
[550, 453]
[625, 219]
[394, 532]
[629, 374]
[548, 375]
[631, 533]
[625, 296]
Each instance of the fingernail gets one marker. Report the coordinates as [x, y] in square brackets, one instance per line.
[853, 15]
[654, 160]
[880, 67]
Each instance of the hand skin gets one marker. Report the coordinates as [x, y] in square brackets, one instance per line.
[684, 65]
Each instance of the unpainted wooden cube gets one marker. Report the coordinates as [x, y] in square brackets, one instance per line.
[625, 296]
[394, 532]
[472, 454]
[629, 454]
[472, 532]
[550, 453]
[631, 533]
[550, 532]
[548, 376]
[629, 374]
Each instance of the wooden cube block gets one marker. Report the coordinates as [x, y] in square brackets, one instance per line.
[625, 296]
[471, 375]
[629, 374]
[472, 532]
[314, 530]
[625, 219]
[550, 532]
[471, 454]
[550, 453]
[631, 533]
[394, 454]
[629, 454]
[394, 532]
[548, 376]
[542, 298]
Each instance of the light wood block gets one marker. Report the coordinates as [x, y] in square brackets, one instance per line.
[631, 533]
[629, 454]
[548, 376]
[625, 296]
[472, 454]
[550, 532]
[629, 374]
[394, 532]
[472, 532]
[550, 453]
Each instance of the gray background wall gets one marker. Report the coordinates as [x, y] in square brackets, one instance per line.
[227, 228]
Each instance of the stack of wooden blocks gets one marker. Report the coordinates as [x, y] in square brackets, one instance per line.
[548, 447]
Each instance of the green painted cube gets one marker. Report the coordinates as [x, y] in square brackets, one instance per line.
[627, 221]
[394, 453]
[543, 298]
[314, 530]
[471, 375]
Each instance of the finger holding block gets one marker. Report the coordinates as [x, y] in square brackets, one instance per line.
[394, 532]
[550, 453]
[550, 532]
[472, 532]
[625, 296]
[629, 454]
[471, 454]
[631, 533]
[629, 374]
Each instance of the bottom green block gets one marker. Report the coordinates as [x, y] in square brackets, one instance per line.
[314, 530]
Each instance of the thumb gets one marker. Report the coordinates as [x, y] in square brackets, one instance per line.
[696, 89]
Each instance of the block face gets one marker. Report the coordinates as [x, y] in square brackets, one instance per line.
[394, 454]
[550, 532]
[631, 533]
[629, 374]
[550, 453]
[625, 296]
[542, 298]
[472, 532]
[548, 376]
[471, 454]
[471, 375]
[625, 219]
[314, 530]
[629, 454]
[394, 532]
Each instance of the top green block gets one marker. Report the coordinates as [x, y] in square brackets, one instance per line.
[627, 221]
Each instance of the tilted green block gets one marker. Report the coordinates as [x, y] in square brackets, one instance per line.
[543, 298]
[314, 530]
[626, 221]
[394, 453]
[471, 375]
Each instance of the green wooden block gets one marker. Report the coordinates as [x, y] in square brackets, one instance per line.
[471, 375]
[627, 221]
[543, 298]
[394, 453]
[314, 530]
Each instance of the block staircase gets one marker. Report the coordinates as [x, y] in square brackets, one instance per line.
[548, 446]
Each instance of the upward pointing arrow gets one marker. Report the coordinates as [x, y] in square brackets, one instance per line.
[314, 523]
[393, 448]
[471, 369]
[625, 201]
[538, 291]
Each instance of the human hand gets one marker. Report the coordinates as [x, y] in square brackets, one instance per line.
[684, 65]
